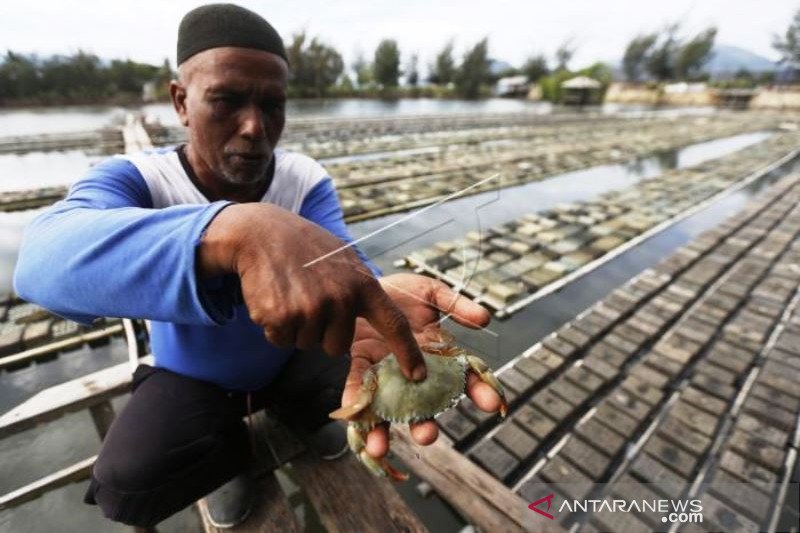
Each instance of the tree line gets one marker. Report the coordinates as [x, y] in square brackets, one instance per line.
[80, 78]
[317, 69]
[666, 55]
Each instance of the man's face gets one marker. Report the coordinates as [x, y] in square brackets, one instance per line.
[232, 100]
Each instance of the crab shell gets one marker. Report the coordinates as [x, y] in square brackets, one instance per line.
[386, 395]
[397, 399]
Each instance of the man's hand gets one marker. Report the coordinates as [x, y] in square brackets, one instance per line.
[422, 300]
[297, 303]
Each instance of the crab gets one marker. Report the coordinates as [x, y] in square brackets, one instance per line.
[387, 396]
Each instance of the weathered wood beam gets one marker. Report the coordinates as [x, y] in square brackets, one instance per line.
[348, 497]
[74, 395]
[480, 498]
[65, 344]
[71, 474]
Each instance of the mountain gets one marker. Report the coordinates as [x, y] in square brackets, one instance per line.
[729, 59]
[724, 62]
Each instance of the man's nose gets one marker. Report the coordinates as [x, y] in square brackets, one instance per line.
[253, 126]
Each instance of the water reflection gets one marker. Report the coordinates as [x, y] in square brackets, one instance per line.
[668, 159]
[32, 121]
[358, 107]
[12, 226]
[57, 119]
[32, 170]
[452, 219]
[549, 313]
[484, 210]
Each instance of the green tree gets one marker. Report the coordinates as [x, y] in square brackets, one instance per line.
[789, 44]
[636, 54]
[564, 54]
[163, 77]
[314, 67]
[412, 74]
[474, 70]
[443, 70]
[19, 76]
[694, 54]
[295, 52]
[386, 66]
[363, 71]
[660, 63]
[77, 78]
[535, 67]
[129, 77]
[326, 66]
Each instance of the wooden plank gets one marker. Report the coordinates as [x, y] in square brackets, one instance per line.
[74, 395]
[272, 512]
[348, 497]
[71, 474]
[481, 499]
[134, 135]
[40, 351]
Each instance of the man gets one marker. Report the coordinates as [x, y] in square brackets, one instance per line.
[234, 250]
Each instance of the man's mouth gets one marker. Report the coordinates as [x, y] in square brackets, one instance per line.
[248, 158]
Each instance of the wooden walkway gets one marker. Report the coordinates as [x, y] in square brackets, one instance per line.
[680, 384]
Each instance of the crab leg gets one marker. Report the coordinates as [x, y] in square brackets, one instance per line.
[360, 422]
[363, 398]
[356, 438]
[484, 373]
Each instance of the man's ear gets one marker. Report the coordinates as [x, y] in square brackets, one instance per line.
[177, 93]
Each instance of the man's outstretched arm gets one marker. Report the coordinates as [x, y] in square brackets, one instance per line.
[103, 251]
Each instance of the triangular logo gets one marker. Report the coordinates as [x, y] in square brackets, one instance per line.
[549, 500]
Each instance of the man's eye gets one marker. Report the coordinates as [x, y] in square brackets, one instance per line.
[273, 107]
[225, 101]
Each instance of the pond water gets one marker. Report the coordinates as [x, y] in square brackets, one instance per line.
[32, 121]
[32, 170]
[457, 217]
[504, 204]
[36, 453]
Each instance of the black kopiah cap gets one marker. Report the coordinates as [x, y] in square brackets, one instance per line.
[217, 25]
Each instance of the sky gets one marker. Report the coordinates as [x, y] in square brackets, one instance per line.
[145, 30]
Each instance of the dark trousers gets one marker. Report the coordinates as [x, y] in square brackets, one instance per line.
[179, 438]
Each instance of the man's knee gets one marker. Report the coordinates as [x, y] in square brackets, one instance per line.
[175, 441]
[141, 490]
[136, 470]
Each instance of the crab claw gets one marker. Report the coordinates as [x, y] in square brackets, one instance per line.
[363, 399]
[484, 373]
[356, 439]
[381, 467]
[347, 412]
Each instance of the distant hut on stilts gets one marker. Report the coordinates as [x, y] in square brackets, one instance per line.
[581, 91]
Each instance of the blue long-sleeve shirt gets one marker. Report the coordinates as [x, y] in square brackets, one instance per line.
[124, 242]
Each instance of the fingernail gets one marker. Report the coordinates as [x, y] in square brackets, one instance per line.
[419, 373]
